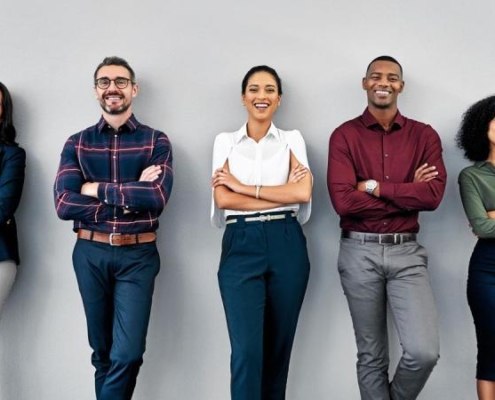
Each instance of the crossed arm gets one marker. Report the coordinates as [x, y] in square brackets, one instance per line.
[231, 194]
[349, 196]
[76, 198]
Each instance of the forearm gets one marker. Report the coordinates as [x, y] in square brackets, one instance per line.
[415, 196]
[228, 200]
[289, 193]
[75, 206]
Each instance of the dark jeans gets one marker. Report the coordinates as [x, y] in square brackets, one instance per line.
[116, 286]
[263, 276]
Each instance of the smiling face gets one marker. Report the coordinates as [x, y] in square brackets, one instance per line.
[115, 101]
[383, 83]
[261, 96]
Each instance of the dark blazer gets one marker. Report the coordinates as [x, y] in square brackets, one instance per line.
[12, 165]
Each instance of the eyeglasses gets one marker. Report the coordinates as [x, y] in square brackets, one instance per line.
[121, 83]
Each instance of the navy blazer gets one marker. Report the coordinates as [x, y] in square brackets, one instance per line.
[12, 166]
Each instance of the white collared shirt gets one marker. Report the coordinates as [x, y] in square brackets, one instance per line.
[263, 163]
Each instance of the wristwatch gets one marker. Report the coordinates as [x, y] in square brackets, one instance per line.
[370, 186]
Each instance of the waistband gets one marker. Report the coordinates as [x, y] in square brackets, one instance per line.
[380, 238]
[268, 217]
[117, 239]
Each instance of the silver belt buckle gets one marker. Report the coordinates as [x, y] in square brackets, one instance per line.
[110, 239]
[265, 218]
[398, 238]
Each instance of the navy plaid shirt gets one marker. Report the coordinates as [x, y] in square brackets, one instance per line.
[116, 160]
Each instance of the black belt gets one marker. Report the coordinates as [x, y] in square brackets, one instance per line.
[380, 238]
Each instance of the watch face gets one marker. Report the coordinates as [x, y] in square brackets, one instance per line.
[370, 186]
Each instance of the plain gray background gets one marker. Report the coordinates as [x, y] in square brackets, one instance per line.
[190, 58]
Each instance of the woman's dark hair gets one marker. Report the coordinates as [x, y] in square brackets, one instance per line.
[472, 136]
[262, 68]
[7, 129]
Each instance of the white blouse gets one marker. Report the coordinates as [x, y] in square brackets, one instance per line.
[263, 163]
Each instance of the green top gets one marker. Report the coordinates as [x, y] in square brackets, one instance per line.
[477, 185]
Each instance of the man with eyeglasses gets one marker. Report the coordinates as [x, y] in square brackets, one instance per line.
[114, 180]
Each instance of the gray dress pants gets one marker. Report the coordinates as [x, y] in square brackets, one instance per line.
[373, 275]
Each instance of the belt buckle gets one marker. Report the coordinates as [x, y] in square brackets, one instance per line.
[110, 239]
[265, 218]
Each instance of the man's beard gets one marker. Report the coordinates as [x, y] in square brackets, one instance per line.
[114, 111]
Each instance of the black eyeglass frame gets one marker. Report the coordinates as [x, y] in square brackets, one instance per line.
[118, 85]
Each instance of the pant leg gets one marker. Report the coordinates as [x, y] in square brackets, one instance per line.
[242, 286]
[363, 280]
[286, 280]
[135, 271]
[481, 299]
[93, 268]
[413, 308]
[8, 271]
[116, 285]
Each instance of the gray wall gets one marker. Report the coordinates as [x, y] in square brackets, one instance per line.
[190, 59]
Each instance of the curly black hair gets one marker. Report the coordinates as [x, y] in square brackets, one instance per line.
[472, 136]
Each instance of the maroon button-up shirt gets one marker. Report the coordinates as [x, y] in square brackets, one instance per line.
[360, 149]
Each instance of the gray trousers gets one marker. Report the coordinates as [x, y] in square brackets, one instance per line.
[373, 274]
[8, 271]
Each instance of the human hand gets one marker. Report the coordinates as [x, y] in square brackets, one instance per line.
[90, 189]
[222, 176]
[297, 173]
[425, 173]
[491, 214]
[150, 173]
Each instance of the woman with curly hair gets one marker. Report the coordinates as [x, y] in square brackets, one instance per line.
[476, 137]
[12, 164]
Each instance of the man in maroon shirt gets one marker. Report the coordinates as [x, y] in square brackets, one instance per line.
[383, 168]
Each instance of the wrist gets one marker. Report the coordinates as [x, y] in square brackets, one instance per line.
[371, 187]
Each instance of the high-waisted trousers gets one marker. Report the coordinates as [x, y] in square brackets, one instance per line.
[263, 275]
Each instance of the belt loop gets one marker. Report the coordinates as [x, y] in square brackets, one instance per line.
[363, 238]
[91, 234]
[241, 221]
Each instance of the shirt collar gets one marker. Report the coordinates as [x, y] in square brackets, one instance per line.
[129, 126]
[242, 134]
[370, 121]
[481, 164]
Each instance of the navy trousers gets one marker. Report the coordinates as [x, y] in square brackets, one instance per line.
[481, 299]
[116, 286]
[263, 275]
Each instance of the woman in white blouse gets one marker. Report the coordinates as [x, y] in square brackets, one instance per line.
[261, 193]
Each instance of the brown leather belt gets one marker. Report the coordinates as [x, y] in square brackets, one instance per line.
[380, 238]
[117, 239]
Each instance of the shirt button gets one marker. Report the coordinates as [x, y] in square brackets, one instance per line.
[386, 154]
[386, 177]
[115, 181]
[385, 223]
[114, 218]
[116, 136]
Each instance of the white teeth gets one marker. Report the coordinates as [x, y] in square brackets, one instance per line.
[382, 93]
[261, 105]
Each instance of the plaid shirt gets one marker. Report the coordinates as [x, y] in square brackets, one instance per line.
[115, 159]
